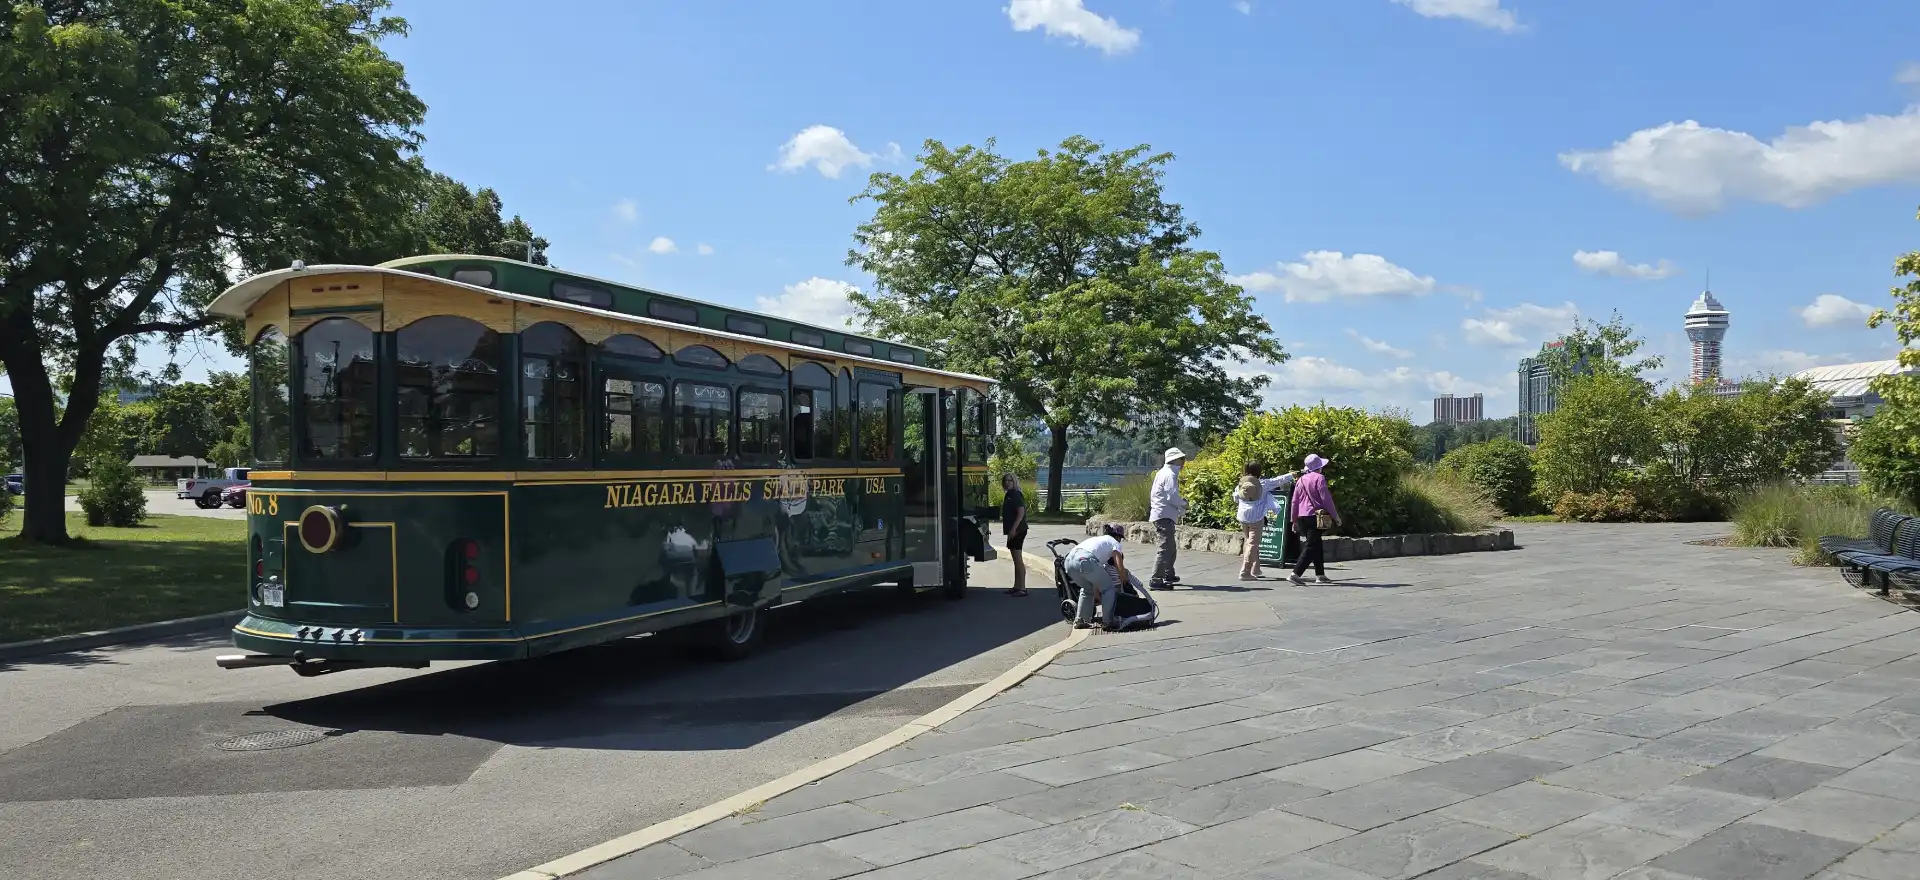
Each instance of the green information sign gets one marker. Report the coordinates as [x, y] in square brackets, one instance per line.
[1277, 547]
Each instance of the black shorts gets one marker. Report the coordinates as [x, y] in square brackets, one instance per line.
[1016, 539]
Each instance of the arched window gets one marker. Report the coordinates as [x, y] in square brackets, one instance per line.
[700, 356]
[339, 391]
[763, 423]
[843, 416]
[272, 404]
[628, 345]
[447, 381]
[812, 412]
[553, 365]
[762, 365]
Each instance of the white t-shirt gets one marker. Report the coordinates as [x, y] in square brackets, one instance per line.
[1102, 548]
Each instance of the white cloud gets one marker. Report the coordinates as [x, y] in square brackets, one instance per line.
[1245, 6]
[1072, 20]
[1523, 326]
[662, 245]
[1486, 13]
[1780, 362]
[626, 210]
[1833, 310]
[1909, 74]
[1323, 275]
[1611, 263]
[704, 249]
[1378, 347]
[1307, 378]
[829, 151]
[818, 301]
[1694, 169]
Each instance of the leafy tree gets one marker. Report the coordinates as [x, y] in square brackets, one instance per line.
[1069, 278]
[1433, 441]
[1502, 468]
[1593, 347]
[1603, 425]
[9, 433]
[1887, 446]
[1792, 438]
[1707, 439]
[150, 143]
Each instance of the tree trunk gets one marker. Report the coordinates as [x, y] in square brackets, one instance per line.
[1056, 457]
[47, 436]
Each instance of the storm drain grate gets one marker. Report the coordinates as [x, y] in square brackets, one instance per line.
[274, 739]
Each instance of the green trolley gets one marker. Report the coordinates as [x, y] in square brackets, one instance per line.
[474, 458]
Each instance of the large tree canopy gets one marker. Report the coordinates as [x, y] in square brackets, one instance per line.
[150, 145]
[1069, 278]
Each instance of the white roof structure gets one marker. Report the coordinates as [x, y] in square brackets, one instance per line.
[1849, 380]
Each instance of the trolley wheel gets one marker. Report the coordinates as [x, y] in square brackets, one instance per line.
[737, 635]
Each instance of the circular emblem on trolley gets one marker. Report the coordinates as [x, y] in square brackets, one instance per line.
[319, 529]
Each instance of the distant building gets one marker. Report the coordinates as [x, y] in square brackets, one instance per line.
[1449, 409]
[1706, 324]
[1850, 397]
[1540, 386]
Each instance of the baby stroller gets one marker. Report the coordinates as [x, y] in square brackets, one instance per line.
[1133, 607]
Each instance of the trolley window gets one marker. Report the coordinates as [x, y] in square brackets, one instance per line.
[447, 382]
[855, 346]
[672, 311]
[635, 412]
[584, 294]
[763, 423]
[902, 355]
[628, 345]
[876, 423]
[553, 391]
[700, 356]
[273, 408]
[480, 276]
[746, 326]
[762, 365]
[808, 337]
[976, 428]
[702, 416]
[339, 391]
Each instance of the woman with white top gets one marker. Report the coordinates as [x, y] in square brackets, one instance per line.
[1256, 497]
[1098, 567]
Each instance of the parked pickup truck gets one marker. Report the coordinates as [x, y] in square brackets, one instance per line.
[206, 491]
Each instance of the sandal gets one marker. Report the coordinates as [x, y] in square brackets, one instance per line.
[1016, 593]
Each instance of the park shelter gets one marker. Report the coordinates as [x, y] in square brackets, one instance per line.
[168, 468]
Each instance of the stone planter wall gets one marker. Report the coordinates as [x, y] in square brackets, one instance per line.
[1339, 548]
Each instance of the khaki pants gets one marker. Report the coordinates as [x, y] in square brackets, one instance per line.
[1250, 557]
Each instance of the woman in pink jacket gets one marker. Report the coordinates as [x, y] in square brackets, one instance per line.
[1311, 497]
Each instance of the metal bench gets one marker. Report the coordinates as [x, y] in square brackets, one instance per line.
[1889, 558]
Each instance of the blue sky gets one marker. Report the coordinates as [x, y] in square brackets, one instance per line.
[1417, 192]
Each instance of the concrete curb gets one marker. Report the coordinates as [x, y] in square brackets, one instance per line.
[137, 633]
[671, 828]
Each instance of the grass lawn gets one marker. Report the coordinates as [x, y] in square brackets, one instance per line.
[169, 567]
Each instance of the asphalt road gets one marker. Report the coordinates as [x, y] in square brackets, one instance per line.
[163, 501]
[111, 765]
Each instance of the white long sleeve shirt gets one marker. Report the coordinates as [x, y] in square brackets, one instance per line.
[1256, 511]
[1166, 503]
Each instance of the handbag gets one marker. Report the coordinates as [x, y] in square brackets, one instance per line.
[1322, 520]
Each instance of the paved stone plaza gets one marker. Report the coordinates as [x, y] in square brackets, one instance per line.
[1605, 702]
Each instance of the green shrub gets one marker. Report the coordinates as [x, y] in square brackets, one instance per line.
[114, 496]
[1367, 451]
[1128, 500]
[1442, 501]
[1502, 469]
[6, 506]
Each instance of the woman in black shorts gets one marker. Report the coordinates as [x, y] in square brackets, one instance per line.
[1013, 521]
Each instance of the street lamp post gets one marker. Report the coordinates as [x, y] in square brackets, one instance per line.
[529, 245]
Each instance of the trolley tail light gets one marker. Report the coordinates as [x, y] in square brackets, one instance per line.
[464, 557]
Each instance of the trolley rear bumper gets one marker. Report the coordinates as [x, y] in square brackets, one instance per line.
[280, 642]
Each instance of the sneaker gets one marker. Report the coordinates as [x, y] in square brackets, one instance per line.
[1161, 586]
[1297, 580]
[1173, 578]
[1082, 624]
[1323, 579]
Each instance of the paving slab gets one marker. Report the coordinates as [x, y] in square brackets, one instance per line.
[1542, 714]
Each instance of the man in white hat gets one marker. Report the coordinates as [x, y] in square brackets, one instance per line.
[1165, 510]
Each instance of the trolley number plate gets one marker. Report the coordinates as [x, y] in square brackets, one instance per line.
[273, 596]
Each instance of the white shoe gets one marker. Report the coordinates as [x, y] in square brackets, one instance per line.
[1297, 580]
[1323, 579]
